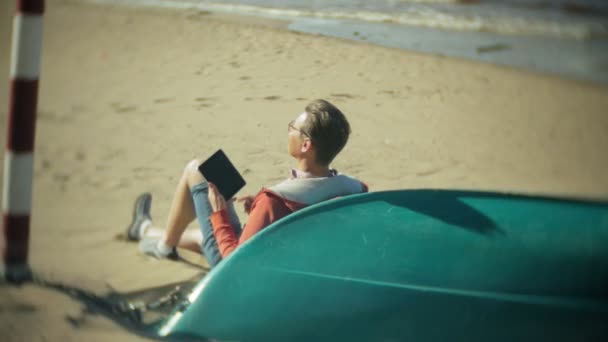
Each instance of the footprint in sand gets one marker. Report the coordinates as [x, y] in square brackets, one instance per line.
[61, 177]
[428, 172]
[113, 153]
[122, 108]
[45, 164]
[164, 100]
[80, 155]
[344, 96]
[202, 103]
[392, 93]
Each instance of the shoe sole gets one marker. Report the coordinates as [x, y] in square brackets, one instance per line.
[141, 211]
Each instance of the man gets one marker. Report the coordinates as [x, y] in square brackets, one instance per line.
[315, 137]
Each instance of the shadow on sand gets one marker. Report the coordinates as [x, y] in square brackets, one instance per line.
[138, 312]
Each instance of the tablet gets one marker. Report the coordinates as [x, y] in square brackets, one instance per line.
[219, 170]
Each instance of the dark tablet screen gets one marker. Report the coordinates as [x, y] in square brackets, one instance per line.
[219, 170]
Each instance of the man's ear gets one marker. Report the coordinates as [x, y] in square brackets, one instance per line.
[306, 146]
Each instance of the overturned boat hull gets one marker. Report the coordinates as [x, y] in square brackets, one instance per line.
[419, 265]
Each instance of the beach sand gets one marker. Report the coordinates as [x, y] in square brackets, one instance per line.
[129, 96]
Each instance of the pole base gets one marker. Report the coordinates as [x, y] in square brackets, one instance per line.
[16, 274]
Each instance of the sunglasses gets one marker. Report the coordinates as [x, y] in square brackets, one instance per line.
[290, 126]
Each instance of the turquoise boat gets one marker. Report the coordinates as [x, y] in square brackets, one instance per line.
[417, 265]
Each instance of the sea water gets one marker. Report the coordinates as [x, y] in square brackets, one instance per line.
[564, 37]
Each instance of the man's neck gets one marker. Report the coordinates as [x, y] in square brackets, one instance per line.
[313, 169]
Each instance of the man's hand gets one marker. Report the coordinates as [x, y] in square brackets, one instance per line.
[217, 201]
[247, 202]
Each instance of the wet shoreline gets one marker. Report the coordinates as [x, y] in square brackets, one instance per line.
[571, 47]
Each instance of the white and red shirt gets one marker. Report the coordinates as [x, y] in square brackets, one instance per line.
[274, 203]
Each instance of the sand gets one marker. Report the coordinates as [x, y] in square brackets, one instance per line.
[129, 96]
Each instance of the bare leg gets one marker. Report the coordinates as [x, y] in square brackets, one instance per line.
[182, 212]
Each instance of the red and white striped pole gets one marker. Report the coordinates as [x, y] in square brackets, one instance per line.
[21, 126]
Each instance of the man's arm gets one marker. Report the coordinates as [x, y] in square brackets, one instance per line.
[265, 210]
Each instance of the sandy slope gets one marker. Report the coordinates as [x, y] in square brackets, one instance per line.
[129, 96]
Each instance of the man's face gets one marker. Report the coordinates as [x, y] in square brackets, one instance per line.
[296, 138]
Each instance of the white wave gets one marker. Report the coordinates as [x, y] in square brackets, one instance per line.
[422, 16]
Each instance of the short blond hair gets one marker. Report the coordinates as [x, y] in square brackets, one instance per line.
[327, 128]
